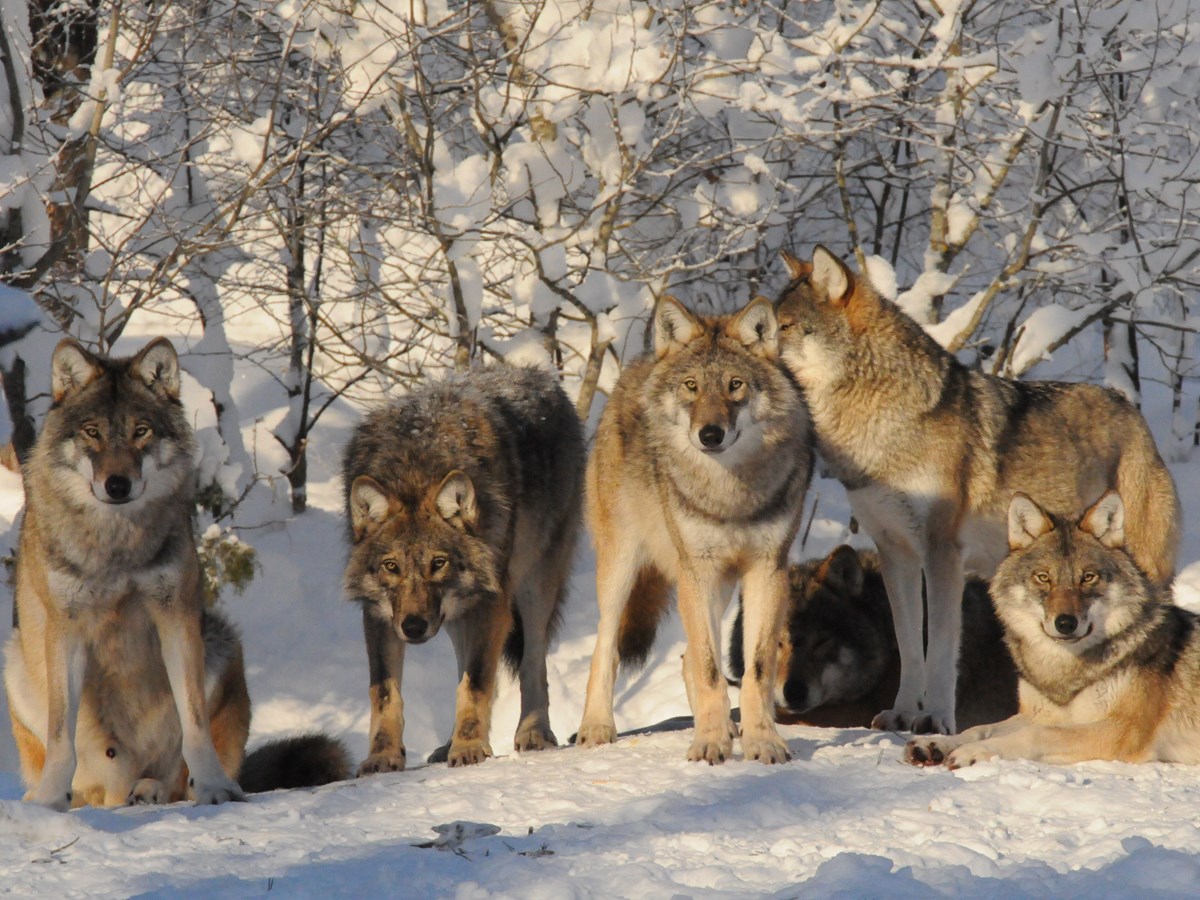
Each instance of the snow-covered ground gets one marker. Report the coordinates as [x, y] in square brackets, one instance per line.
[846, 817]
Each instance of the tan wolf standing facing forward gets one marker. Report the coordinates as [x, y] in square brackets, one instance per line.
[931, 453]
[1109, 666]
[463, 505]
[116, 674]
[697, 478]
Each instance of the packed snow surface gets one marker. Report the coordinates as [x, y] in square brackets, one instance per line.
[846, 817]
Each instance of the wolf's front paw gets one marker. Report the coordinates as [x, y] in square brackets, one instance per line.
[593, 734]
[534, 738]
[770, 749]
[915, 721]
[220, 790]
[468, 753]
[969, 754]
[147, 791]
[928, 751]
[710, 748]
[377, 763]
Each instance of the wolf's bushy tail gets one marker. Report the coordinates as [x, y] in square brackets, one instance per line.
[306, 760]
[1152, 511]
[647, 603]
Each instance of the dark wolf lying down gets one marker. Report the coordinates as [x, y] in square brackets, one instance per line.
[839, 663]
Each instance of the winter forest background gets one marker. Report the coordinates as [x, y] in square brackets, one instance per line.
[324, 201]
[407, 188]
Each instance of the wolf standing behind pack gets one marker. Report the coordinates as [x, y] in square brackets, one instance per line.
[114, 664]
[698, 475]
[463, 504]
[1109, 666]
[930, 454]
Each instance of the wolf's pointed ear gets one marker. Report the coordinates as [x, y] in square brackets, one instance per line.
[157, 366]
[830, 277]
[843, 567]
[1105, 521]
[797, 268]
[456, 500]
[71, 369]
[674, 326]
[1026, 522]
[756, 327]
[369, 506]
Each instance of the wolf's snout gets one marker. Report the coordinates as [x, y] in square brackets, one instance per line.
[794, 695]
[712, 435]
[1066, 624]
[414, 627]
[118, 488]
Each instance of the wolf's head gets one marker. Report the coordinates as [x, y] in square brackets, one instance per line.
[419, 567]
[116, 433]
[1072, 584]
[717, 378]
[818, 313]
[834, 648]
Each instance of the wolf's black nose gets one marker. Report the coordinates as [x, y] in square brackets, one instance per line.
[1066, 624]
[414, 627]
[795, 694]
[118, 487]
[712, 435]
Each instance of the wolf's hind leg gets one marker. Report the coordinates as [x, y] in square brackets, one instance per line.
[943, 591]
[538, 603]
[901, 569]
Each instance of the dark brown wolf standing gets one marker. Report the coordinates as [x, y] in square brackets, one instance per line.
[122, 688]
[463, 504]
[930, 454]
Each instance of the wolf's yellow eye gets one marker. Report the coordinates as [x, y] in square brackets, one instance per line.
[142, 431]
[390, 565]
[437, 563]
[1041, 577]
[735, 384]
[92, 431]
[690, 384]
[1088, 578]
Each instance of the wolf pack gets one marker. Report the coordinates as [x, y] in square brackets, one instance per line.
[1017, 604]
